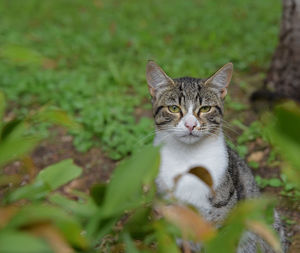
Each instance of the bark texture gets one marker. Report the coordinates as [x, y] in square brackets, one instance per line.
[283, 77]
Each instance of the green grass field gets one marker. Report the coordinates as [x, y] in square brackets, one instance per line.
[89, 57]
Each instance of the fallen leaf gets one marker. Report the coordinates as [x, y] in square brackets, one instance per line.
[266, 233]
[204, 175]
[6, 213]
[52, 235]
[256, 156]
[190, 223]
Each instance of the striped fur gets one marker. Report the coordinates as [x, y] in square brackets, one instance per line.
[201, 144]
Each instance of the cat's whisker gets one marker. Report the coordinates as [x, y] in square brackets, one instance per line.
[140, 140]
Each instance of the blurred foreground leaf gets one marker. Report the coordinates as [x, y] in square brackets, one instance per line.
[165, 242]
[40, 213]
[131, 185]
[125, 189]
[14, 142]
[13, 241]
[264, 232]
[283, 130]
[47, 180]
[57, 116]
[53, 237]
[84, 209]
[190, 223]
[129, 244]
[236, 223]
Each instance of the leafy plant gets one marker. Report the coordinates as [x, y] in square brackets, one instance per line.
[96, 72]
[36, 217]
[283, 132]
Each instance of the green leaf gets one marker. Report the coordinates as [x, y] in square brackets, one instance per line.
[131, 185]
[98, 192]
[59, 174]
[138, 222]
[274, 182]
[57, 116]
[84, 209]
[283, 131]
[129, 244]
[34, 191]
[36, 213]
[47, 180]
[15, 242]
[125, 189]
[15, 143]
[228, 237]
[165, 242]
[12, 149]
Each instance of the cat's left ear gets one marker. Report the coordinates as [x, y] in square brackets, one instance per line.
[221, 79]
[156, 78]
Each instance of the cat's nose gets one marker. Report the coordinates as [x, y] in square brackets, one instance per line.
[190, 124]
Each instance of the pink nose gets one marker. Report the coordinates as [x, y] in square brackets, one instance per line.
[190, 124]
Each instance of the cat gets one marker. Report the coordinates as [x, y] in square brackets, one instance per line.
[188, 114]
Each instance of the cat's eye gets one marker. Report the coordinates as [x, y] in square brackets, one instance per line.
[205, 108]
[174, 108]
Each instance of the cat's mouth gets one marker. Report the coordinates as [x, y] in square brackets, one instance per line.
[190, 135]
[189, 138]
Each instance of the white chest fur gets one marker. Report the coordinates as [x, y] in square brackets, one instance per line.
[178, 157]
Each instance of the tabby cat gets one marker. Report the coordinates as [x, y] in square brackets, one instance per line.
[188, 114]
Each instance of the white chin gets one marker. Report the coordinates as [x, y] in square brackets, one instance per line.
[189, 139]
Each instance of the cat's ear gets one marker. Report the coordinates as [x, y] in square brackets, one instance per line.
[156, 77]
[221, 79]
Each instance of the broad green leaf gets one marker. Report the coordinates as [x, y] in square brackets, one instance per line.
[98, 192]
[283, 131]
[165, 242]
[83, 209]
[15, 143]
[12, 149]
[59, 174]
[125, 189]
[129, 244]
[14, 242]
[37, 213]
[131, 185]
[14, 129]
[57, 116]
[228, 237]
[34, 191]
[138, 222]
[47, 180]
[274, 182]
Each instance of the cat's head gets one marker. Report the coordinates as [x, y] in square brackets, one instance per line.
[187, 108]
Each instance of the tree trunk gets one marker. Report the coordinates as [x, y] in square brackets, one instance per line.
[283, 77]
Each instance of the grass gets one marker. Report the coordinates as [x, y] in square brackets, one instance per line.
[88, 57]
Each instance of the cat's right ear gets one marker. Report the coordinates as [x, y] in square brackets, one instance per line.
[156, 77]
[221, 79]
